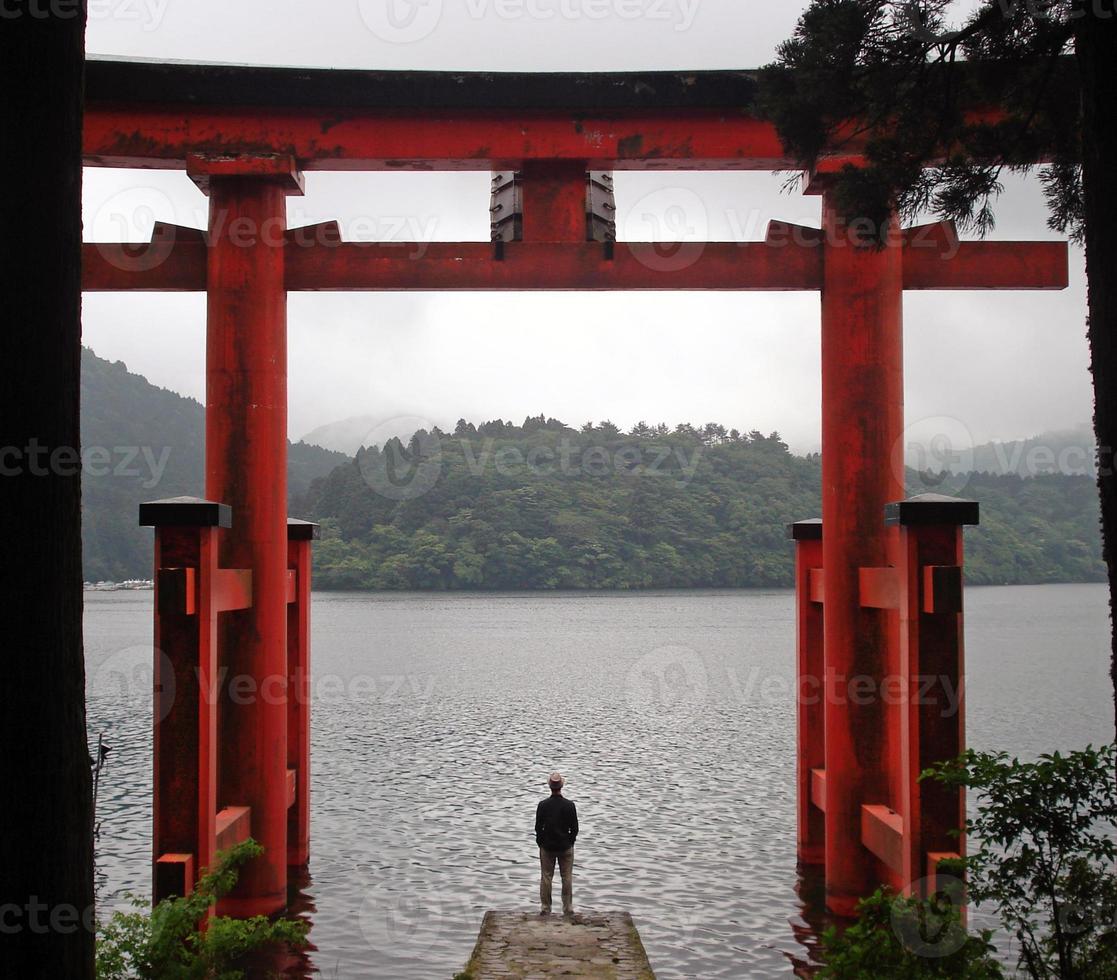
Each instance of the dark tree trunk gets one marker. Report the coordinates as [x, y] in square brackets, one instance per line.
[1096, 50]
[46, 868]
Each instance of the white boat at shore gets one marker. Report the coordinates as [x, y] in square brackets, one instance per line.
[129, 585]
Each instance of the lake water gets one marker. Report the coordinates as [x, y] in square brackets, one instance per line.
[437, 718]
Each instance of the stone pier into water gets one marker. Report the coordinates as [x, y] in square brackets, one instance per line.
[533, 947]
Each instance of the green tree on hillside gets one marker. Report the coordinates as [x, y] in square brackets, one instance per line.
[542, 506]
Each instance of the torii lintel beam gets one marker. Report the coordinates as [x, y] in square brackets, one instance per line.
[791, 258]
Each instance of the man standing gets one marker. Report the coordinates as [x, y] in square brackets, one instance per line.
[556, 827]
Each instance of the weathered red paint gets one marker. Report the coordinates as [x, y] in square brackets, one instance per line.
[810, 702]
[184, 798]
[862, 423]
[298, 687]
[781, 265]
[361, 140]
[246, 467]
[931, 659]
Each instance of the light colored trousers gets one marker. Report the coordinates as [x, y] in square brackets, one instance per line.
[565, 861]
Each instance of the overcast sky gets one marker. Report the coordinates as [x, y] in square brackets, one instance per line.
[998, 365]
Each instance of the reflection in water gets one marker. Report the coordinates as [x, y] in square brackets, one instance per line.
[808, 926]
[438, 717]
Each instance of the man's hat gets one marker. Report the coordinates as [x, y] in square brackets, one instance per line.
[555, 779]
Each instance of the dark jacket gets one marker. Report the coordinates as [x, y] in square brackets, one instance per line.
[556, 823]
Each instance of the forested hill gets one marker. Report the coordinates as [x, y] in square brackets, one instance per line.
[543, 506]
[140, 442]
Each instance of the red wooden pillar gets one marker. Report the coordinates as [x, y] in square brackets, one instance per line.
[862, 421]
[932, 668]
[184, 798]
[246, 467]
[810, 703]
[300, 534]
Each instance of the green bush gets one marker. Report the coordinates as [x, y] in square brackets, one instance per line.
[169, 942]
[907, 939]
[1042, 855]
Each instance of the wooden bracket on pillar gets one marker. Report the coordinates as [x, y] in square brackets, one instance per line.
[818, 788]
[882, 833]
[174, 875]
[282, 169]
[234, 825]
[879, 587]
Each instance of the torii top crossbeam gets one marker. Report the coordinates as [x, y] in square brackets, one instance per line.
[152, 114]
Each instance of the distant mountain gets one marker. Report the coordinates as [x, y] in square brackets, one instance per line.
[1067, 451]
[362, 432]
[141, 442]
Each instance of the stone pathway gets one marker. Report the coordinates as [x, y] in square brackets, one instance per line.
[529, 946]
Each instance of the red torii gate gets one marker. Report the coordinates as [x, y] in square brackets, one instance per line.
[876, 601]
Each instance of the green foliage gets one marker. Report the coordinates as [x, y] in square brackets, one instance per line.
[907, 939]
[542, 506]
[169, 943]
[144, 443]
[1044, 837]
[901, 68]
